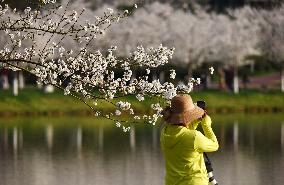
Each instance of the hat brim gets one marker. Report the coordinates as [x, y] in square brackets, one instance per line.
[187, 116]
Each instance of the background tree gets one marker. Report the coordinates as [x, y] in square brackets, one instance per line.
[272, 38]
[237, 39]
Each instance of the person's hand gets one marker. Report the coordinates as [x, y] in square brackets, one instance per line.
[206, 120]
[205, 113]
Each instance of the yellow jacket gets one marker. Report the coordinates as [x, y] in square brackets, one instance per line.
[183, 152]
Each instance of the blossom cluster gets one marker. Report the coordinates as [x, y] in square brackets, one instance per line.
[38, 41]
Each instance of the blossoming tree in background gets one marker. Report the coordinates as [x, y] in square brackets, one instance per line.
[198, 36]
[272, 38]
[161, 23]
[236, 38]
[54, 45]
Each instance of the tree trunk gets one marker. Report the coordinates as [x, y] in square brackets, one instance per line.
[252, 67]
[134, 75]
[21, 80]
[154, 76]
[208, 81]
[4, 82]
[282, 78]
[162, 76]
[189, 73]
[15, 84]
[236, 80]
[222, 82]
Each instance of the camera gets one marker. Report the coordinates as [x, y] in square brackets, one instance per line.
[201, 104]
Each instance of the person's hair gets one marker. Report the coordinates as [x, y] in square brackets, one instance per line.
[166, 113]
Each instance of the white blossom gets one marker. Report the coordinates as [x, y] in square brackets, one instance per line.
[156, 107]
[131, 111]
[137, 117]
[118, 124]
[148, 71]
[117, 112]
[198, 81]
[211, 70]
[110, 10]
[140, 97]
[123, 105]
[125, 129]
[173, 74]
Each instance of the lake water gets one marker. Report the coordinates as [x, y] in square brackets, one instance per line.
[82, 151]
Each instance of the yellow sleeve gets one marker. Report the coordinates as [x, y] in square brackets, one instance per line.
[207, 143]
[193, 125]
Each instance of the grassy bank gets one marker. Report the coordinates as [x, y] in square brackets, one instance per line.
[32, 101]
[245, 101]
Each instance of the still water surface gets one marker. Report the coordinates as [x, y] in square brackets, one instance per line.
[78, 152]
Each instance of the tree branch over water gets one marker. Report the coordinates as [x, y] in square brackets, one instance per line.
[57, 45]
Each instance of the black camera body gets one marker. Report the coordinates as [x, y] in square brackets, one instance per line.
[201, 104]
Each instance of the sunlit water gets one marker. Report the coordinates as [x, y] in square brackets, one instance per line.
[41, 152]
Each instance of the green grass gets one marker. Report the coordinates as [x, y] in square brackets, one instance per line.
[245, 100]
[32, 100]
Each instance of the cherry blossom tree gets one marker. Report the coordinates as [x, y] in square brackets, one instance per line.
[198, 36]
[202, 36]
[236, 38]
[161, 23]
[272, 37]
[54, 45]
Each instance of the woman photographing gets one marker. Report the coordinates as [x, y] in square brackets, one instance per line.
[183, 146]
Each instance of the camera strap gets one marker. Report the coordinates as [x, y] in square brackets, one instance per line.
[207, 158]
[208, 164]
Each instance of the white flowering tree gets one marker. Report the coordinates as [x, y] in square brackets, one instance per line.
[233, 39]
[160, 23]
[272, 38]
[54, 45]
[245, 38]
[198, 36]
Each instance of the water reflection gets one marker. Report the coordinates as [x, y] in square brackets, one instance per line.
[79, 139]
[155, 137]
[236, 136]
[82, 154]
[282, 136]
[101, 138]
[15, 139]
[49, 136]
[132, 138]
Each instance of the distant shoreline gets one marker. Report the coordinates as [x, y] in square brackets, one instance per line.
[32, 102]
[87, 113]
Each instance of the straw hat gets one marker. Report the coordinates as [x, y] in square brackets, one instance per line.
[182, 110]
